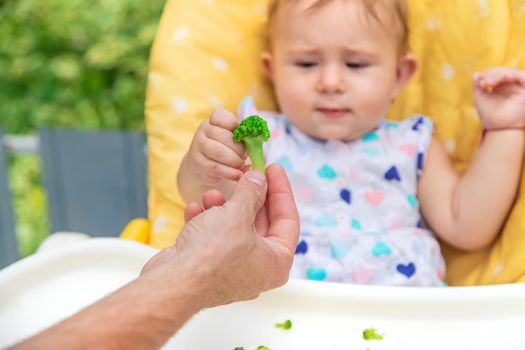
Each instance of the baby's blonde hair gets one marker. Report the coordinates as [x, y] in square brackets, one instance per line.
[397, 9]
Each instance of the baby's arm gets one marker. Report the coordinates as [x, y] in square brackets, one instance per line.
[468, 212]
[214, 160]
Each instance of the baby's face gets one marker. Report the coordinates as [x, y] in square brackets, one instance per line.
[335, 69]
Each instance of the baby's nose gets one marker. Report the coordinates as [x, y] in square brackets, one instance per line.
[331, 80]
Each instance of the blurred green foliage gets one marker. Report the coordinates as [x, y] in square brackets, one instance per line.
[73, 63]
[30, 202]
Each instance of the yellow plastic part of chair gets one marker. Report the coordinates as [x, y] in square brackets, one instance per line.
[137, 230]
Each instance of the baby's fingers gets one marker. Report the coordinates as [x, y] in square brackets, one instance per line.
[224, 119]
[496, 77]
[223, 162]
[215, 172]
[225, 137]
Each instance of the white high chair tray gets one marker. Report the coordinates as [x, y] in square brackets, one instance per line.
[333, 316]
[49, 286]
[45, 288]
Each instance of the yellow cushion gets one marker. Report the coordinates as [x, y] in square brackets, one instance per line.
[137, 230]
[206, 55]
[479, 35]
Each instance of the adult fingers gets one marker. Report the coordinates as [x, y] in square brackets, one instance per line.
[212, 198]
[261, 221]
[191, 211]
[283, 216]
[248, 195]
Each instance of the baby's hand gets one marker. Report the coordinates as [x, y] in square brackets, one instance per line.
[500, 97]
[213, 154]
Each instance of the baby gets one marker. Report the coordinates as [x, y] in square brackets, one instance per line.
[373, 194]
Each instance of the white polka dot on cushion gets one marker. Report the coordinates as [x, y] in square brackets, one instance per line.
[484, 10]
[153, 80]
[519, 8]
[179, 35]
[179, 105]
[472, 112]
[159, 224]
[154, 140]
[215, 101]
[447, 72]
[220, 64]
[261, 9]
[432, 25]
[498, 269]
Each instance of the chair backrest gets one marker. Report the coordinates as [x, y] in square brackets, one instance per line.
[95, 181]
[8, 244]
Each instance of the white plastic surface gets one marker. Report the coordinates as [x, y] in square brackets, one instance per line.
[47, 287]
[60, 239]
[333, 316]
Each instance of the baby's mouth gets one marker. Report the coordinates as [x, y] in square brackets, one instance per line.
[333, 112]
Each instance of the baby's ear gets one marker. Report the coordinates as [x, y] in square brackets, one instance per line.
[406, 68]
[267, 64]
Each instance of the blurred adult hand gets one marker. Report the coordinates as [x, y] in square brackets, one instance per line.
[228, 251]
[239, 248]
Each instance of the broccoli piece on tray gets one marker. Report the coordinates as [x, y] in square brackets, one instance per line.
[371, 334]
[285, 325]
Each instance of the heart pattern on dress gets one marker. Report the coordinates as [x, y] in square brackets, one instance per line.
[374, 198]
[316, 274]
[407, 270]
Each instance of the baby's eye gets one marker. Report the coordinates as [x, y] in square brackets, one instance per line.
[306, 64]
[356, 65]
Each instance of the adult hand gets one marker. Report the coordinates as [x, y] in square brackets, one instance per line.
[227, 251]
[239, 248]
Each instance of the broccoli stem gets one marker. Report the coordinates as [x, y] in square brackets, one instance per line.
[254, 148]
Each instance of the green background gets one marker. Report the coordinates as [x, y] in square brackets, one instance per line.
[74, 63]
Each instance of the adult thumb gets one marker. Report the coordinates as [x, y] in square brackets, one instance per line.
[249, 194]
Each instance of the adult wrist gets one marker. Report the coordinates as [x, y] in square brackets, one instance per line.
[177, 287]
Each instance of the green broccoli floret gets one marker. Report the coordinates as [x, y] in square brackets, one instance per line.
[239, 348]
[371, 334]
[262, 347]
[285, 325]
[253, 132]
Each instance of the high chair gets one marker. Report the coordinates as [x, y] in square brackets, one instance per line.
[206, 56]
